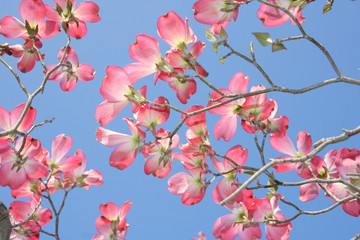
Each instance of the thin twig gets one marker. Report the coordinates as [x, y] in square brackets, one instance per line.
[273, 162]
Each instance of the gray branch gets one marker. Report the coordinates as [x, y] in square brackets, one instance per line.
[5, 224]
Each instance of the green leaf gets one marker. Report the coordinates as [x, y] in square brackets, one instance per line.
[263, 38]
[271, 182]
[223, 34]
[250, 173]
[277, 46]
[210, 36]
[222, 60]
[326, 8]
[269, 195]
[215, 46]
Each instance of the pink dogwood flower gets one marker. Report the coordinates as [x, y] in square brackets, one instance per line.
[256, 108]
[112, 224]
[33, 14]
[124, 154]
[61, 145]
[268, 210]
[16, 170]
[184, 87]
[276, 125]
[347, 162]
[285, 145]
[84, 178]
[272, 17]
[186, 59]
[70, 71]
[160, 163]
[192, 187]
[73, 18]
[152, 116]
[19, 212]
[242, 207]
[227, 125]
[27, 54]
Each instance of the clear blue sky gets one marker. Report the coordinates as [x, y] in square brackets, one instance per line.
[157, 214]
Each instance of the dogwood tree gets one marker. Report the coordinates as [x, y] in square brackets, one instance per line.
[246, 109]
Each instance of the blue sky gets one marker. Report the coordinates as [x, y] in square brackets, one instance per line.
[157, 214]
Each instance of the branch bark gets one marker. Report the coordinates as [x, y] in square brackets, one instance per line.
[5, 224]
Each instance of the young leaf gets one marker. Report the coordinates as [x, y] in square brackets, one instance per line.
[271, 182]
[278, 46]
[263, 38]
[223, 34]
[215, 46]
[326, 8]
[251, 49]
[210, 36]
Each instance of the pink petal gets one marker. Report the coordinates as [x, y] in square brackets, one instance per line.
[224, 226]
[107, 111]
[9, 176]
[197, 49]
[193, 194]
[70, 56]
[35, 169]
[48, 29]
[20, 210]
[283, 145]
[103, 226]
[284, 167]
[309, 191]
[155, 167]
[124, 209]
[115, 85]
[68, 84]
[239, 83]
[145, 50]
[123, 156]
[61, 145]
[28, 119]
[26, 63]
[110, 138]
[85, 72]
[209, 11]
[238, 155]
[11, 27]
[110, 211]
[87, 11]
[5, 122]
[226, 127]
[278, 231]
[52, 14]
[69, 163]
[352, 208]
[178, 183]
[138, 70]
[77, 30]
[32, 11]
[270, 16]
[304, 143]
